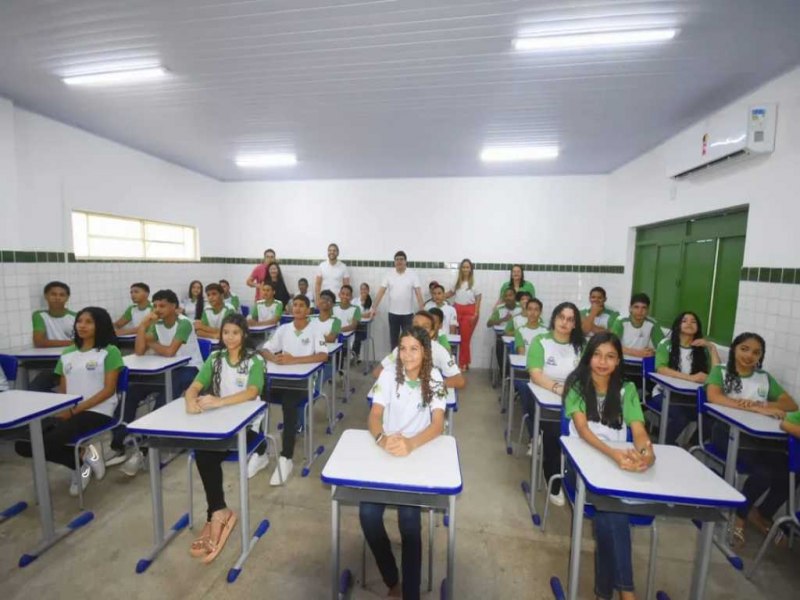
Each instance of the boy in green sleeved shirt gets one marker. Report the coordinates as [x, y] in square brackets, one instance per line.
[439, 335]
[501, 315]
[208, 326]
[133, 315]
[228, 297]
[267, 310]
[52, 328]
[328, 325]
[533, 326]
[639, 334]
[521, 319]
[597, 317]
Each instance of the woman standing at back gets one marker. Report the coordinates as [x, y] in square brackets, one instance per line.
[468, 308]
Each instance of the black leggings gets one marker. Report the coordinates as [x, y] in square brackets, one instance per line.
[58, 433]
[396, 324]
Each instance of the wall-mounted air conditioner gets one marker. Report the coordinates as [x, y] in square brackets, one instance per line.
[725, 136]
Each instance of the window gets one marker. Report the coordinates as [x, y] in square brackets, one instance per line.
[107, 236]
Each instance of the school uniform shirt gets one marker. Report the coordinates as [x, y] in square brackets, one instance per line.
[333, 275]
[55, 328]
[759, 386]
[605, 319]
[463, 294]
[631, 412]
[404, 411]
[134, 315]
[647, 335]
[556, 360]
[183, 330]
[264, 312]
[793, 417]
[516, 322]
[527, 286]
[450, 317]
[445, 343]
[502, 311]
[297, 342]
[523, 336]
[233, 302]
[189, 307]
[440, 357]
[347, 315]
[212, 318]
[85, 372]
[685, 364]
[233, 378]
[400, 290]
[328, 326]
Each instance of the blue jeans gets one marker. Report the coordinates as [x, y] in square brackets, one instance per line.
[371, 516]
[550, 430]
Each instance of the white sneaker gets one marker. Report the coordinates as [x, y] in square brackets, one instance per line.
[94, 459]
[558, 499]
[134, 464]
[256, 463]
[82, 480]
[117, 458]
[529, 452]
[282, 471]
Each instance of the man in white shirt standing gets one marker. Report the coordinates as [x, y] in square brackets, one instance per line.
[403, 286]
[332, 273]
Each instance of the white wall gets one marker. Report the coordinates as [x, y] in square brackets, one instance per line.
[8, 177]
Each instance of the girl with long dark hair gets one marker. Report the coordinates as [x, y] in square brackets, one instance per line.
[275, 276]
[193, 304]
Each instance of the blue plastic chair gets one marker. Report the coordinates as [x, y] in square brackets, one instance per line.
[10, 366]
[205, 347]
[245, 310]
[122, 394]
[706, 447]
[652, 402]
[790, 520]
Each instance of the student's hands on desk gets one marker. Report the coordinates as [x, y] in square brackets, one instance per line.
[397, 445]
[631, 460]
[762, 409]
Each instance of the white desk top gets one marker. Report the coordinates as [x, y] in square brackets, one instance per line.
[357, 461]
[750, 422]
[261, 328]
[499, 328]
[508, 340]
[346, 335]
[632, 360]
[518, 361]
[213, 340]
[676, 385]
[365, 321]
[126, 337]
[172, 420]
[151, 364]
[454, 338]
[300, 371]
[334, 347]
[40, 353]
[544, 396]
[676, 477]
[18, 407]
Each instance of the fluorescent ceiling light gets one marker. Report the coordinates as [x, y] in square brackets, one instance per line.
[594, 40]
[117, 77]
[266, 160]
[513, 154]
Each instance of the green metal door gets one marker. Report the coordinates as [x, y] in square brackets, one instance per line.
[667, 276]
[697, 277]
[726, 288]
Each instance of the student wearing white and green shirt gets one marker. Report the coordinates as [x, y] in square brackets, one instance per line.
[213, 313]
[267, 310]
[438, 319]
[597, 317]
[450, 322]
[686, 354]
[530, 329]
[133, 315]
[52, 328]
[349, 314]
[742, 384]
[521, 319]
[90, 368]
[328, 325]
[298, 342]
[164, 332]
[640, 335]
[230, 376]
[551, 358]
[502, 315]
[228, 297]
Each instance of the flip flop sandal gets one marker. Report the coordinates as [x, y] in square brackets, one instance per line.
[199, 547]
[738, 537]
[227, 526]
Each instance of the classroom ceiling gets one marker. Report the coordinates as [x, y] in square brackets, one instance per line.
[388, 88]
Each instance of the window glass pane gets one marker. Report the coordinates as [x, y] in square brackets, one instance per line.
[105, 247]
[158, 232]
[80, 234]
[167, 250]
[113, 227]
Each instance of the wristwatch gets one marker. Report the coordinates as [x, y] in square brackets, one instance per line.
[378, 438]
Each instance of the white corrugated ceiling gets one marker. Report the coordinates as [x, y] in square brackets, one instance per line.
[389, 88]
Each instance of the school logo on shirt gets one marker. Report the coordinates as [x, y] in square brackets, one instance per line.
[240, 381]
[91, 365]
[305, 341]
[551, 360]
[762, 392]
[67, 368]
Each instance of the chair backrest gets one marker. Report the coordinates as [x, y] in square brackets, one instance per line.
[648, 365]
[122, 380]
[245, 310]
[10, 366]
[701, 400]
[205, 347]
[794, 454]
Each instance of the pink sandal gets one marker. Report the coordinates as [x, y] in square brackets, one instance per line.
[226, 525]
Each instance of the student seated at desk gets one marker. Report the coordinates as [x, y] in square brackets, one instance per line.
[229, 376]
[551, 358]
[521, 319]
[133, 315]
[267, 310]
[192, 305]
[530, 329]
[89, 368]
[684, 355]
[328, 325]
[744, 385]
[438, 335]
[453, 378]
[348, 314]
[228, 297]
[502, 315]
[209, 324]
[599, 405]
[52, 328]
[640, 335]
[408, 404]
[597, 318]
[302, 287]
[298, 342]
[365, 304]
[450, 322]
[164, 332]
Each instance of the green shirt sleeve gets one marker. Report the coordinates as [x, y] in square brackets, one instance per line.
[204, 318]
[503, 289]
[256, 375]
[357, 315]
[38, 322]
[613, 317]
[184, 330]
[495, 316]
[510, 326]
[775, 389]
[573, 403]
[528, 287]
[151, 331]
[656, 335]
[113, 359]
[616, 328]
[793, 417]
[662, 354]
[203, 376]
[715, 377]
[536, 355]
[446, 343]
[278, 309]
[631, 405]
[337, 326]
[519, 341]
